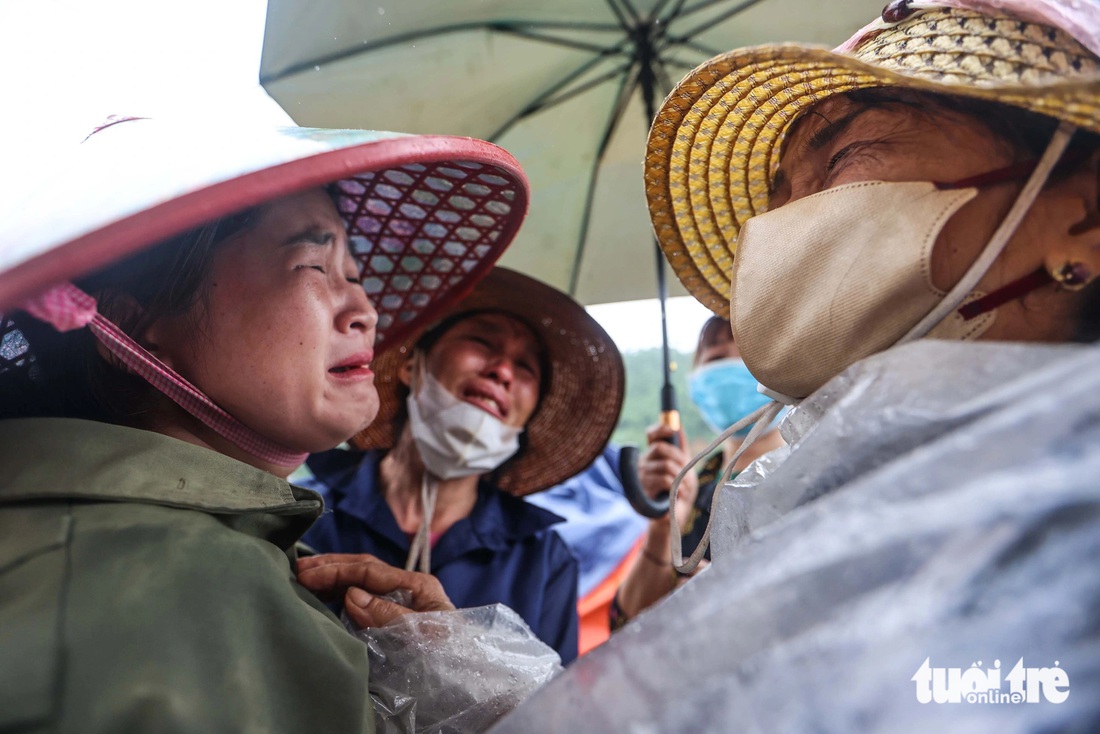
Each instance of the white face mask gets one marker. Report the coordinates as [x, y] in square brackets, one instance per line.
[455, 438]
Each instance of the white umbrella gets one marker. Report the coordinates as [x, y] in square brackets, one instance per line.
[567, 86]
[561, 84]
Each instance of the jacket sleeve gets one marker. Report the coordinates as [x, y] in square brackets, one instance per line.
[559, 623]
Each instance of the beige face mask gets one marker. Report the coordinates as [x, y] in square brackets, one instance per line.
[837, 276]
[827, 280]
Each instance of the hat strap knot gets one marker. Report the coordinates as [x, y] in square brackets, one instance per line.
[65, 307]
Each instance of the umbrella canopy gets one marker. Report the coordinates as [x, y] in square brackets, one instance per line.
[567, 86]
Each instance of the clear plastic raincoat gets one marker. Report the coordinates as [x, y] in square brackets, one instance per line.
[930, 537]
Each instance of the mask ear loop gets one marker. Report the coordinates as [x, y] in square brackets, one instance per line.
[996, 245]
[760, 419]
[416, 374]
[421, 548]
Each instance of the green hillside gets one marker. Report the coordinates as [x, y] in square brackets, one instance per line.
[642, 405]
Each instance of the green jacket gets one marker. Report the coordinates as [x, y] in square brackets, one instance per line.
[146, 585]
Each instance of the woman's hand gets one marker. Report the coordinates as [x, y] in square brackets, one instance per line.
[659, 466]
[362, 579]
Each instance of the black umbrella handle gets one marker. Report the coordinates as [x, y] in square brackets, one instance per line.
[642, 503]
[632, 488]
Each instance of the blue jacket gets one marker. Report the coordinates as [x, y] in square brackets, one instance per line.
[600, 526]
[505, 551]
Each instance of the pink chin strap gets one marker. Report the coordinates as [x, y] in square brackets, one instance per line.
[66, 307]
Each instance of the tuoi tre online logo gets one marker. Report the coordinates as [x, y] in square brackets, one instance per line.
[978, 685]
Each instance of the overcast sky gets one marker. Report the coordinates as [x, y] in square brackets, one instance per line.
[68, 64]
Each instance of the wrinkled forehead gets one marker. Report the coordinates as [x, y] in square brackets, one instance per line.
[878, 113]
[502, 322]
[489, 322]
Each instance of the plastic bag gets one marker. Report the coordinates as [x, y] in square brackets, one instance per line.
[453, 672]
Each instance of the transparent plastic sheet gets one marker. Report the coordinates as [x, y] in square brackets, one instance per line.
[728, 507]
[940, 501]
[453, 672]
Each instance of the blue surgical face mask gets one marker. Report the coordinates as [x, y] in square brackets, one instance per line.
[725, 391]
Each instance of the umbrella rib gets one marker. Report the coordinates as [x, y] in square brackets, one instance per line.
[674, 13]
[524, 33]
[632, 10]
[503, 27]
[662, 72]
[623, 25]
[680, 65]
[656, 11]
[626, 89]
[700, 6]
[721, 18]
[546, 101]
[625, 5]
[692, 44]
[574, 25]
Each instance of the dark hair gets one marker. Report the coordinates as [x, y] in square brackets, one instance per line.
[712, 327]
[1026, 134]
[69, 378]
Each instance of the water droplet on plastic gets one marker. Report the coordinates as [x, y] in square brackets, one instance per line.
[381, 11]
[316, 68]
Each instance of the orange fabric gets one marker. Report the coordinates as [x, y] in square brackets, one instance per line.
[594, 608]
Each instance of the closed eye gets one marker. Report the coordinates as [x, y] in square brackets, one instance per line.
[834, 161]
[840, 156]
[852, 158]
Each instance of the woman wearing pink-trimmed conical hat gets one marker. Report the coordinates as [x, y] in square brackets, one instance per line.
[188, 312]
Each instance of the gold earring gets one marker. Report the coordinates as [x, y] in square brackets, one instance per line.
[1072, 275]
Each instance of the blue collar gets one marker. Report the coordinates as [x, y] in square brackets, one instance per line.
[497, 521]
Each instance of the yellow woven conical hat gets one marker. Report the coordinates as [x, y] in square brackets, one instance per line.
[715, 142]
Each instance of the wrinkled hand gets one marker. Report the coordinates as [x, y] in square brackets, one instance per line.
[362, 579]
[660, 464]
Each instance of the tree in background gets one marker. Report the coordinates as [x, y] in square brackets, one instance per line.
[641, 404]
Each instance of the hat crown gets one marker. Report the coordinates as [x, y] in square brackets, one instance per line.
[967, 47]
[717, 140]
